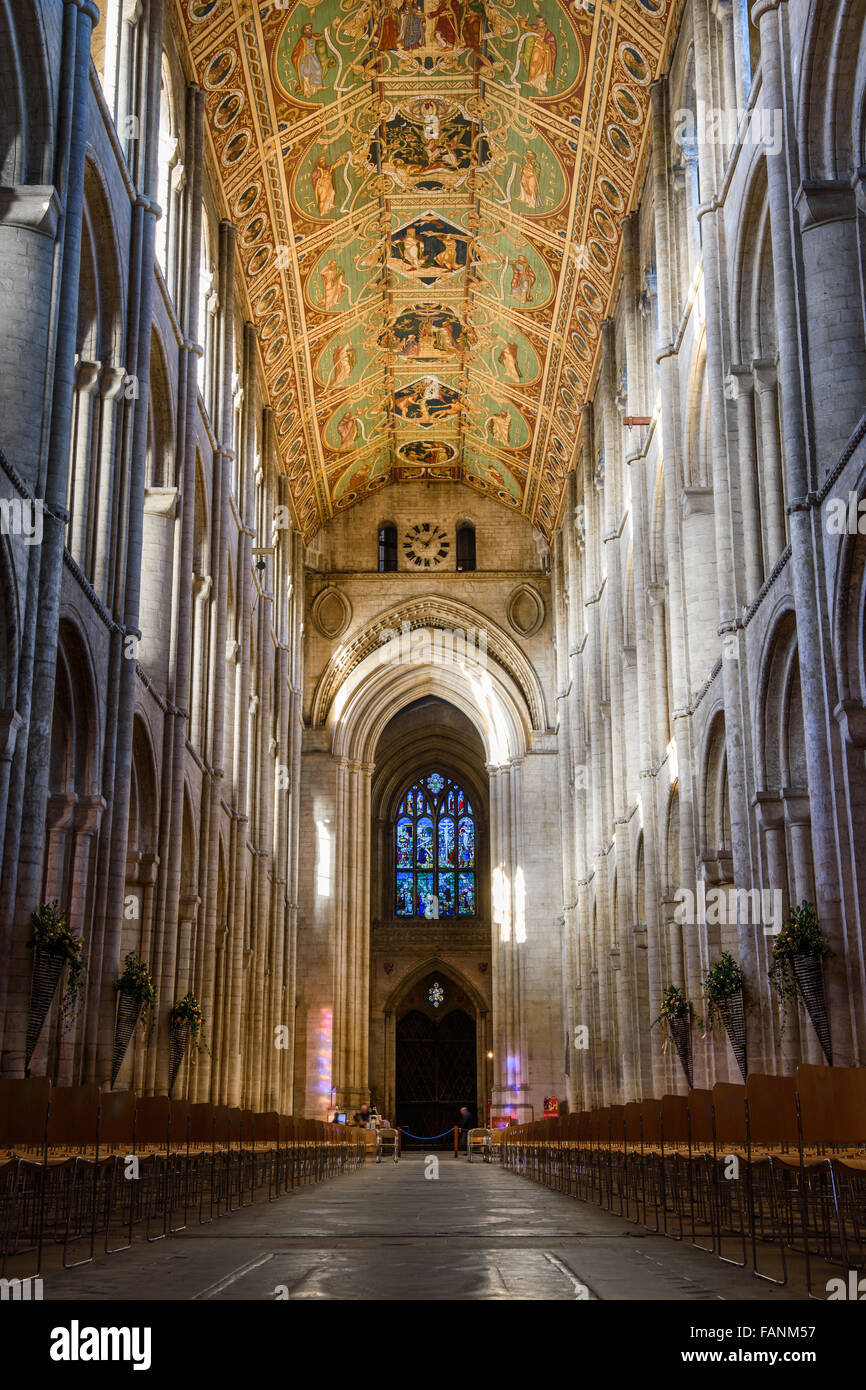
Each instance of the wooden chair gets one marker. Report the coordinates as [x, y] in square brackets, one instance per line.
[731, 1162]
[771, 1132]
[117, 1146]
[828, 1171]
[674, 1145]
[702, 1201]
[24, 1112]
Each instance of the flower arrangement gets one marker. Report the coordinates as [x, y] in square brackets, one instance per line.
[136, 982]
[186, 1012]
[51, 933]
[676, 1009]
[724, 980]
[676, 1018]
[801, 935]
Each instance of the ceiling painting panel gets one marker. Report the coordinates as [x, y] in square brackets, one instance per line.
[428, 196]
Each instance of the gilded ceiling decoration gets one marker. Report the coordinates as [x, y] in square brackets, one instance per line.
[428, 196]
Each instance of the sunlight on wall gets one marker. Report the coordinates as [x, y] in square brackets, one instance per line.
[325, 841]
[671, 751]
[489, 708]
[500, 904]
[519, 910]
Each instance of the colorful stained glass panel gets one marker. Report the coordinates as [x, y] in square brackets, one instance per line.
[446, 894]
[446, 842]
[435, 783]
[404, 844]
[425, 895]
[405, 895]
[425, 844]
[466, 894]
[466, 844]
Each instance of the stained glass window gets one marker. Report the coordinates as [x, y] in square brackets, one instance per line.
[435, 851]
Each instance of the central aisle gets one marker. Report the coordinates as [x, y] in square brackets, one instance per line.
[386, 1232]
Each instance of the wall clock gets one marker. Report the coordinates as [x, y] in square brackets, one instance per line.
[425, 545]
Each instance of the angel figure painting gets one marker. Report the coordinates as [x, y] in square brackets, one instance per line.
[312, 62]
[334, 284]
[530, 193]
[324, 187]
[344, 361]
[348, 428]
[538, 54]
[499, 426]
[522, 280]
[507, 358]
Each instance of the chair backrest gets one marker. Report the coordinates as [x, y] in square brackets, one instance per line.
[832, 1103]
[675, 1120]
[632, 1123]
[74, 1117]
[179, 1122]
[772, 1109]
[201, 1123]
[729, 1107]
[117, 1118]
[267, 1127]
[651, 1120]
[700, 1107]
[24, 1111]
[152, 1119]
[617, 1124]
[221, 1122]
[600, 1120]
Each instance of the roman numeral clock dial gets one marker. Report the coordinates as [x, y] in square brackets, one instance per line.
[425, 545]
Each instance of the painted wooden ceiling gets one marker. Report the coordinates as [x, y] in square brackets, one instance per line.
[428, 195]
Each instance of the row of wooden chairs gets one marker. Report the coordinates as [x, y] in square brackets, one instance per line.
[751, 1173]
[80, 1166]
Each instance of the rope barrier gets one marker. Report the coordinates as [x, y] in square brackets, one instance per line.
[426, 1137]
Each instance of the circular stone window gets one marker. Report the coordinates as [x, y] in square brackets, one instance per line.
[331, 612]
[525, 610]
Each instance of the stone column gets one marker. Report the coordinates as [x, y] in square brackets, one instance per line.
[766, 390]
[38, 658]
[352, 897]
[111, 412]
[511, 1073]
[662, 212]
[756, 946]
[86, 383]
[801, 474]
[739, 388]
[145, 214]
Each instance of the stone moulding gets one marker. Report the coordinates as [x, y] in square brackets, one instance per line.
[430, 613]
[525, 611]
[331, 612]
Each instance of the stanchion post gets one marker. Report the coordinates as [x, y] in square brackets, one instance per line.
[400, 1141]
[456, 1141]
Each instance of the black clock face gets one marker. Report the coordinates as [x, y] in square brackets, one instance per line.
[425, 545]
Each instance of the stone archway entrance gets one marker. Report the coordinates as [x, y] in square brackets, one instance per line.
[436, 1050]
[436, 1072]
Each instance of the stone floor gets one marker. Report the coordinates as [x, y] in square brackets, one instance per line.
[390, 1233]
